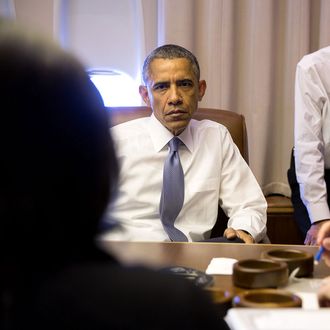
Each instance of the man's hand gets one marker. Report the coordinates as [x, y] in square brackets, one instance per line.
[231, 233]
[323, 238]
[311, 236]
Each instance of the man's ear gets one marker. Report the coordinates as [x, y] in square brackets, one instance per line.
[201, 89]
[143, 90]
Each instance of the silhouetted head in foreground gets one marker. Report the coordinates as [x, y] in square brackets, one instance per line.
[57, 163]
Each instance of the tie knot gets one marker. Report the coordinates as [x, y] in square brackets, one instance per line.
[174, 144]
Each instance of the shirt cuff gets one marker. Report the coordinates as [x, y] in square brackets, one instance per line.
[318, 211]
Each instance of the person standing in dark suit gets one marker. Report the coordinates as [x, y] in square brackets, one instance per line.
[58, 170]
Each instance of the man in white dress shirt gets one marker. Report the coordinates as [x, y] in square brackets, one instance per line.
[214, 171]
[311, 162]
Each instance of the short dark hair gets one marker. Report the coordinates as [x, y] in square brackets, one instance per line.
[58, 167]
[170, 51]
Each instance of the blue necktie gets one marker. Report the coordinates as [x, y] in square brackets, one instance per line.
[172, 196]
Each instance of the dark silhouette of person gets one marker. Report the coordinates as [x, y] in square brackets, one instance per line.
[58, 171]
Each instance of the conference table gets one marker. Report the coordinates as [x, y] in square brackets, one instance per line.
[158, 255]
[198, 256]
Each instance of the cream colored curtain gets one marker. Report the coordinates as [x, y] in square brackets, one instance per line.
[248, 51]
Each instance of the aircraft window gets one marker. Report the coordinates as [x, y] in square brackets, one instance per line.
[116, 88]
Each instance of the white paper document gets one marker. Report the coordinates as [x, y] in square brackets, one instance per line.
[306, 289]
[278, 319]
[221, 266]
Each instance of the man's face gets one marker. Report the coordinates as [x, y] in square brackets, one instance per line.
[172, 92]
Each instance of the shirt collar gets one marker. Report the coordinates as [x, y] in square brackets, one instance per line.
[160, 135]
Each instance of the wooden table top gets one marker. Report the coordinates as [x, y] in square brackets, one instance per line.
[198, 255]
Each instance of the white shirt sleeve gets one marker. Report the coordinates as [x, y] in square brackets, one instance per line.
[310, 100]
[240, 194]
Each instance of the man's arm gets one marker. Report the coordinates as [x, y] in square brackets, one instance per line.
[309, 147]
[240, 196]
